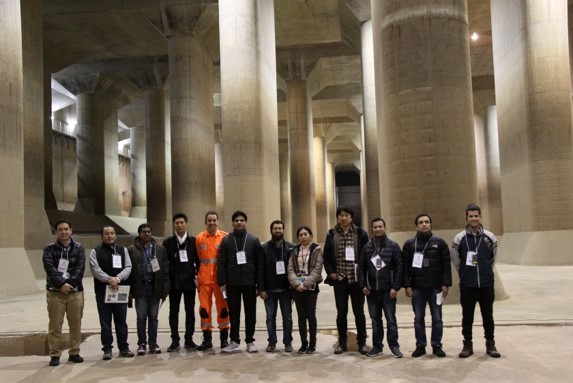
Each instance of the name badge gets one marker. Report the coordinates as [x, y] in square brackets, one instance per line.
[471, 259]
[63, 267]
[349, 254]
[183, 256]
[116, 260]
[418, 260]
[378, 262]
[154, 264]
[280, 267]
[241, 258]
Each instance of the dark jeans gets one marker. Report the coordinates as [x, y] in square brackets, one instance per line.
[469, 296]
[174, 305]
[274, 298]
[419, 300]
[378, 302]
[249, 294]
[119, 313]
[342, 291]
[306, 311]
[147, 309]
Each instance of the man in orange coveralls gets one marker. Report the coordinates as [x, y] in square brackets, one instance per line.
[207, 243]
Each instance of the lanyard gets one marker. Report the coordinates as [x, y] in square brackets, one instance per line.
[65, 251]
[416, 244]
[477, 246]
[244, 243]
[304, 260]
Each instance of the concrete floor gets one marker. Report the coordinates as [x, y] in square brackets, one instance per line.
[534, 335]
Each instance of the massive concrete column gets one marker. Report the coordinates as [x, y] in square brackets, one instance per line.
[219, 185]
[138, 173]
[426, 114]
[330, 195]
[493, 170]
[16, 275]
[249, 111]
[533, 97]
[286, 206]
[300, 142]
[322, 224]
[157, 161]
[192, 126]
[370, 169]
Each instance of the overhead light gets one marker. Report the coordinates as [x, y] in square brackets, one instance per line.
[474, 36]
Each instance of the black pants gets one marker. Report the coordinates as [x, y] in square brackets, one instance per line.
[469, 296]
[174, 304]
[342, 291]
[306, 311]
[249, 295]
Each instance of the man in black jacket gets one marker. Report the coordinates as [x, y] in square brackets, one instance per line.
[274, 287]
[427, 277]
[237, 273]
[342, 247]
[380, 277]
[111, 266]
[183, 264]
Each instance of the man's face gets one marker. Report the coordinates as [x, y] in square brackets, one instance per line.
[212, 223]
[344, 219]
[423, 225]
[239, 223]
[474, 218]
[278, 232]
[63, 232]
[145, 235]
[378, 228]
[108, 235]
[180, 226]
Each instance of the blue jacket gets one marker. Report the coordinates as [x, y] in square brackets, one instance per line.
[484, 243]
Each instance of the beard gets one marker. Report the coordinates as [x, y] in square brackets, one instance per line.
[278, 237]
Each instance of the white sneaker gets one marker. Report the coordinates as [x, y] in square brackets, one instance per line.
[232, 347]
[251, 347]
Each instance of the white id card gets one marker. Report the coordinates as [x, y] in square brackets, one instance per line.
[280, 267]
[349, 254]
[378, 262]
[418, 260]
[63, 267]
[471, 258]
[241, 258]
[154, 265]
[183, 256]
[116, 259]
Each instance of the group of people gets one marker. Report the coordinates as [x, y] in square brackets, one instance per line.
[234, 267]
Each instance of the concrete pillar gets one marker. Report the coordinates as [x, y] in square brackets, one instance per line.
[370, 173]
[533, 97]
[330, 194]
[286, 207]
[16, 275]
[192, 128]
[426, 114]
[138, 172]
[322, 224]
[157, 161]
[493, 171]
[249, 111]
[219, 191]
[299, 116]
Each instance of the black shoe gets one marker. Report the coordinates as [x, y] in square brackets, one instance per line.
[467, 350]
[438, 352]
[340, 349]
[107, 355]
[311, 349]
[174, 346]
[154, 349]
[190, 345]
[303, 349]
[363, 349]
[271, 347]
[491, 350]
[396, 352]
[141, 349]
[75, 358]
[205, 346]
[127, 353]
[419, 351]
[54, 361]
[374, 352]
[224, 343]
[288, 347]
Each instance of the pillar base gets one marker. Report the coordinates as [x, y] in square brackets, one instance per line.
[537, 248]
[16, 276]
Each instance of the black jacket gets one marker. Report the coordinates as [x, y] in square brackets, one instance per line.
[104, 254]
[76, 266]
[269, 280]
[387, 277]
[160, 277]
[484, 243]
[231, 273]
[331, 247]
[435, 271]
[182, 274]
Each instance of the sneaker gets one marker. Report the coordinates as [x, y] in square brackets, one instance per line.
[419, 351]
[396, 352]
[107, 355]
[232, 347]
[75, 358]
[303, 349]
[127, 353]
[374, 352]
[154, 349]
[190, 345]
[270, 348]
[251, 347]
[141, 349]
[438, 352]
[174, 346]
[311, 349]
[288, 347]
[205, 345]
[54, 361]
[363, 349]
[340, 349]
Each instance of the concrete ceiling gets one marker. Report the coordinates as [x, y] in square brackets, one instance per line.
[315, 39]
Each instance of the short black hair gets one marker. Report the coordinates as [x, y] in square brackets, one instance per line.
[105, 227]
[422, 215]
[276, 222]
[303, 227]
[211, 212]
[179, 215]
[346, 209]
[376, 220]
[60, 221]
[238, 213]
[472, 207]
[142, 226]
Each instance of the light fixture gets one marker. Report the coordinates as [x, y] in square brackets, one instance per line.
[474, 36]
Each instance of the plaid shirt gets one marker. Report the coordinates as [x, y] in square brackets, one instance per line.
[344, 267]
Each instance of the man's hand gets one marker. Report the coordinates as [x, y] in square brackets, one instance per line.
[409, 292]
[300, 288]
[263, 295]
[113, 282]
[393, 294]
[333, 276]
[66, 288]
[366, 291]
[445, 290]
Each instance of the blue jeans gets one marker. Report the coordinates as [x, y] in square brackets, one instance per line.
[147, 309]
[274, 298]
[419, 300]
[119, 313]
[378, 302]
